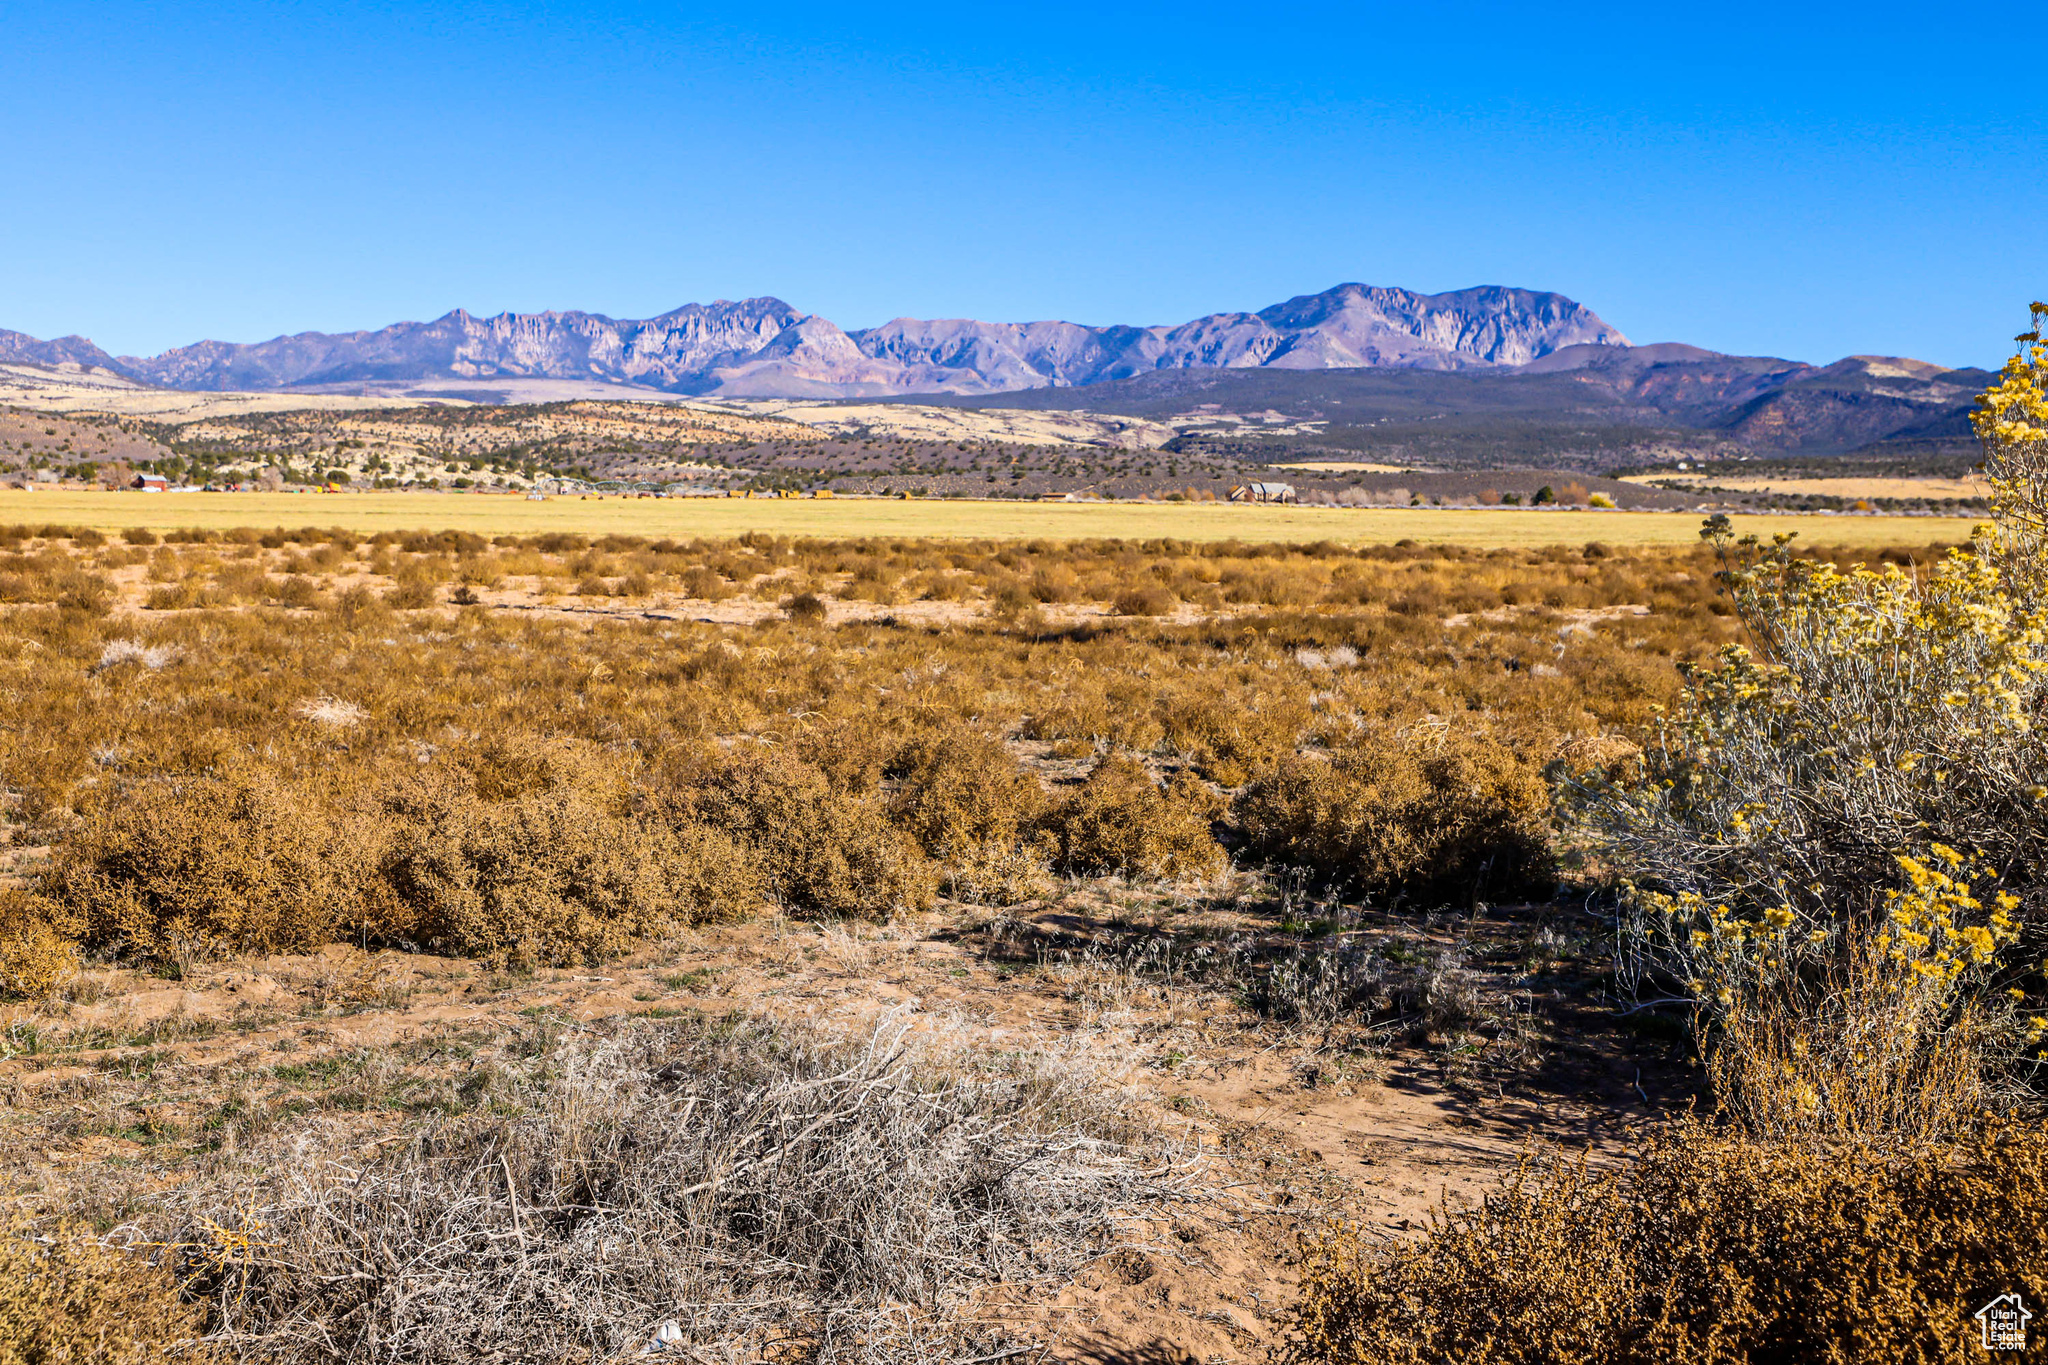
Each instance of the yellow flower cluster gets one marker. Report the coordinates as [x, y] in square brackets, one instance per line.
[1928, 929]
[1725, 947]
[2015, 409]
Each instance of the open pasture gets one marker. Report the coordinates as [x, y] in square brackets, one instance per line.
[370, 513]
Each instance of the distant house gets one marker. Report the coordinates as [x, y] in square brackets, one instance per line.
[150, 483]
[1263, 492]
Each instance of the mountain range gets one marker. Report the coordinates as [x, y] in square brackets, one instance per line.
[765, 348]
[1486, 373]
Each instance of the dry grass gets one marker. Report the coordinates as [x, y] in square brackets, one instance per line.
[499, 514]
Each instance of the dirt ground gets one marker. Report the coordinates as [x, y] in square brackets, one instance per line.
[128, 1083]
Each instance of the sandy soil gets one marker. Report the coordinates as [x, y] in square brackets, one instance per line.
[1295, 1126]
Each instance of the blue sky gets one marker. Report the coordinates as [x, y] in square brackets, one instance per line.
[1806, 181]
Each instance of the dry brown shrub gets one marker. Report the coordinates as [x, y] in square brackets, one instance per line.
[775, 1192]
[969, 806]
[66, 1298]
[357, 605]
[232, 862]
[1145, 599]
[852, 756]
[961, 790]
[805, 607]
[1230, 737]
[705, 585]
[411, 595]
[1705, 1246]
[554, 875]
[1057, 584]
[1428, 813]
[38, 950]
[826, 853]
[1124, 821]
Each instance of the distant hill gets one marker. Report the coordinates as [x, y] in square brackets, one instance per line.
[1584, 399]
[765, 348]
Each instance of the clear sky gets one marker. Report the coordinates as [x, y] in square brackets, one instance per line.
[1800, 180]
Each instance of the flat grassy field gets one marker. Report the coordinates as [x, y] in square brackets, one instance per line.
[367, 513]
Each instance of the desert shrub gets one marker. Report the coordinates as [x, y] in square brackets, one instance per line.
[971, 808]
[1707, 1245]
[961, 790]
[66, 1298]
[852, 756]
[38, 948]
[357, 605]
[1122, 820]
[1231, 737]
[1839, 832]
[772, 1191]
[705, 584]
[1052, 585]
[169, 597]
[805, 607]
[1880, 711]
[297, 591]
[1145, 599]
[551, 876]
[1426, 813]
[411, 595]
[825, 852]
[45, 578]
[231, 862]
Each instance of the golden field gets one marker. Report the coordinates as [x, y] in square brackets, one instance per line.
[500, 514]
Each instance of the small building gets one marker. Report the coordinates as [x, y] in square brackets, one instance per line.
[150, 483]
[1263, 492]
